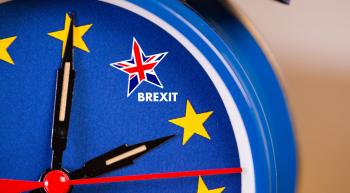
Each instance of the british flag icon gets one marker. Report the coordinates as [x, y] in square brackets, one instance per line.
[140, 68]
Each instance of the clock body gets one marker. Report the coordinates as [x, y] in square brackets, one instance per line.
[219, 96]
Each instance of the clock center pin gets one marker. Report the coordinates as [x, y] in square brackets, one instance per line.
[56, 181]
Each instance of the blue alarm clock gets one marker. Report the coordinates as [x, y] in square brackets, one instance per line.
[152, 96]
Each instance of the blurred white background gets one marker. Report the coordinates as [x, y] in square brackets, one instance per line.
[310, 40]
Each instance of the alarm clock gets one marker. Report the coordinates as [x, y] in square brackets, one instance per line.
[152, 96]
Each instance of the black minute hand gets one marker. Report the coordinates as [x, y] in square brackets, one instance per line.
[63, 102]
[117, 158]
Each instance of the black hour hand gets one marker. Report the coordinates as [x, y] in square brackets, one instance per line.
[117, 158]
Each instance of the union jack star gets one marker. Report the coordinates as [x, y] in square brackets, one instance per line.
[140, 68]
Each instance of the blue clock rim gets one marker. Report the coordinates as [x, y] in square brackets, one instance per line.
[279, 156]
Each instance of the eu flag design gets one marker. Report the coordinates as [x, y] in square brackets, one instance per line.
[140, 68]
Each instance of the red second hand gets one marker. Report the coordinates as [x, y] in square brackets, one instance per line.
[18, 186]
[58, 182]
[185, 174]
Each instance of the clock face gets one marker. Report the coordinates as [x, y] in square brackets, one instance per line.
[137, 79]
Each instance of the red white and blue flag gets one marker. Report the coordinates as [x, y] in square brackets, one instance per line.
[140, 68]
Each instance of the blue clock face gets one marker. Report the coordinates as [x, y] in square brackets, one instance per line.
[135, 81]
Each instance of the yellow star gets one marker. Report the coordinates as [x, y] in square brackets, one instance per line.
[78, 33]
[202, 188]
[192, 123]
[4, 44]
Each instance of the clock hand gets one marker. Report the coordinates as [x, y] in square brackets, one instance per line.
[63, 102]
[157, 176]
[58, 182]
[18, 186]
[117, 158]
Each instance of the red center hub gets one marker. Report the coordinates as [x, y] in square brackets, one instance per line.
[56, 182]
